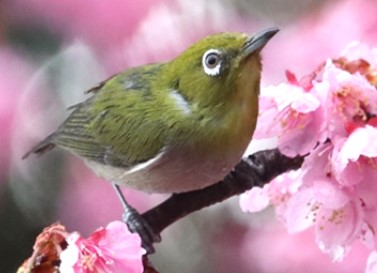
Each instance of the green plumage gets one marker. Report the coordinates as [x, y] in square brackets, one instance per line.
[107, 127]
[195, 115]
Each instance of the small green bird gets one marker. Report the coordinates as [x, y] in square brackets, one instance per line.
[170, 127]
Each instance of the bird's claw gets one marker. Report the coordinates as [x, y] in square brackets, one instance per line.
[137, 224]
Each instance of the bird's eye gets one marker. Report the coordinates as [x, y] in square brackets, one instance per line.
[212, 62]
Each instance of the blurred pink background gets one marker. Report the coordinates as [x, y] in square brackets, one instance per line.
[52, 51]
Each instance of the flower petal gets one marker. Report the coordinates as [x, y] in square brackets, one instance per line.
[372, 263]
[337, 228]
[254, 200]
[299, 214]
[110, 249]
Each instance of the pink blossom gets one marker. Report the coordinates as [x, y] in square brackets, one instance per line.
[321, 203]
[110, 249]
[330, 117]
[361, 142]
[346, 97]
[336, 229]
[294, 115]
[354, 158]
[275, 193]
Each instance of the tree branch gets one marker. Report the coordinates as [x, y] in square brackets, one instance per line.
[257, 169]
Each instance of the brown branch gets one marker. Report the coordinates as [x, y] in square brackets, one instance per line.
[256, 170]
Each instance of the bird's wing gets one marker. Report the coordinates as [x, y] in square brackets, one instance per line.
[119, 125]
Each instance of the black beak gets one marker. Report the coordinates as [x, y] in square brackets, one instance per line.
[258, 41]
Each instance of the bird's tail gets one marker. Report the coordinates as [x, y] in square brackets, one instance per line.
[42, 147]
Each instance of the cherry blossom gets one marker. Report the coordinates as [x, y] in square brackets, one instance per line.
[329, 117]
[110, 249]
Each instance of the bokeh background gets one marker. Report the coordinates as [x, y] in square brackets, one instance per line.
[52, 51]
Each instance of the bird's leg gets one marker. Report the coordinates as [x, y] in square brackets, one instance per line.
[137, 224]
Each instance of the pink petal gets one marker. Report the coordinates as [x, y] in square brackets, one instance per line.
[268, 124]
[254, 200]
[357, 50]
[110, 249]
[287, 95]
[346, 162]
[372, 263]
[329, 194]
[367, 188]
[369, 236]
[123, 247]
[300, 211]
[305, 103]
[336, 229]
[362, 141]
[345, 172]
[284, 185]
[121, 240]
[351, 175]
[277, 99]
[302, 139]
[344, 96]
[316, 165]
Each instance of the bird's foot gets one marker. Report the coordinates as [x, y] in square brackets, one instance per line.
[137, 224]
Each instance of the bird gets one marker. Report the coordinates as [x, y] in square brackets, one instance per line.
[169, 127]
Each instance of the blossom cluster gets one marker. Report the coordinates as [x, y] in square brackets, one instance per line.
[330, 118]
[110, 249]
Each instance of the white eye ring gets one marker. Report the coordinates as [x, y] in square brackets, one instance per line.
[211, 62]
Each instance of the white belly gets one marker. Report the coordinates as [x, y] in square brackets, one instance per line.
[170, 173]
